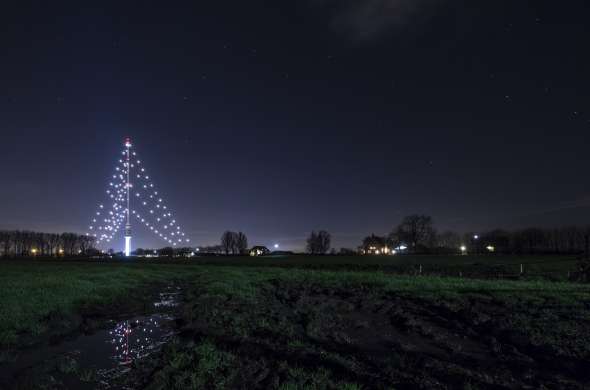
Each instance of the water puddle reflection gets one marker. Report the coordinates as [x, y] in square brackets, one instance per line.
[96, 360]
[135, 339]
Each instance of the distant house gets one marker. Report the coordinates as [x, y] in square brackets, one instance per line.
[375, 245]
[259, 251]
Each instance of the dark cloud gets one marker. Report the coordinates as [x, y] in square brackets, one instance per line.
[365, 20]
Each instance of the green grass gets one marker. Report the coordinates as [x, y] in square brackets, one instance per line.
[238, 309]
[32, 291]
[556, 267]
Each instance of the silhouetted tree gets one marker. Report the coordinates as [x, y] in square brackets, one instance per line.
[241, 243]
[228, 242]
[319, 243]
[5, 242]
[416, 231]
[25, 243]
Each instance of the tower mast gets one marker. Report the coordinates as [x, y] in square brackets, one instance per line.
[128, 211]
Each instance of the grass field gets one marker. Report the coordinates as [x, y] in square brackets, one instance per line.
[553, 267]
[250, 324]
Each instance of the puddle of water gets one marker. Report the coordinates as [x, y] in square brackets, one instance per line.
[107, 353]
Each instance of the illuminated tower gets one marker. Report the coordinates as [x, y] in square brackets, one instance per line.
[128, 209]
[132, 194]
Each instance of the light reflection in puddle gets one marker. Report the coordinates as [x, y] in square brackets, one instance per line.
[108, 352]
[137, 338]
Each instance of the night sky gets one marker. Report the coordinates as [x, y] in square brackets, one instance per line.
[276, 118]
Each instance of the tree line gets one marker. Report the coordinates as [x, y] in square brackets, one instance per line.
[15, 243]
[417, 234]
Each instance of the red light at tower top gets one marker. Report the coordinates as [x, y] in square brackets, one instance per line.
[128, 142]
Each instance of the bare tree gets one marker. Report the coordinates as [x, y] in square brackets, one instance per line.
[241, 243]
[86, 243]
[5, 242]
[54, 241]
[319, 243]
[416, 231]
[25, 243]
[70, 243]
[228, 242]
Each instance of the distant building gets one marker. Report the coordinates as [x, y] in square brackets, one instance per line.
[375, 245]
[259, 251]
[376, 250]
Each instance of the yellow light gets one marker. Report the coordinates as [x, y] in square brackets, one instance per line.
[61, 251]
[463, 248]
[491, 248]
[34, 251]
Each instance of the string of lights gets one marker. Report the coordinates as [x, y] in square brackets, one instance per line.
[152, 212]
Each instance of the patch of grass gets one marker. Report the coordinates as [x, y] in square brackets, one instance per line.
[88, 376]
[294, 328]
[33, 291]
[203, 366]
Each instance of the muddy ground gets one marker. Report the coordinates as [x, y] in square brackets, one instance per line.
[81, 349]
[289, 335]
[293, 336]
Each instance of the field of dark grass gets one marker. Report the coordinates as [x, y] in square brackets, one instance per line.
[482, 266]
[262, 326]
